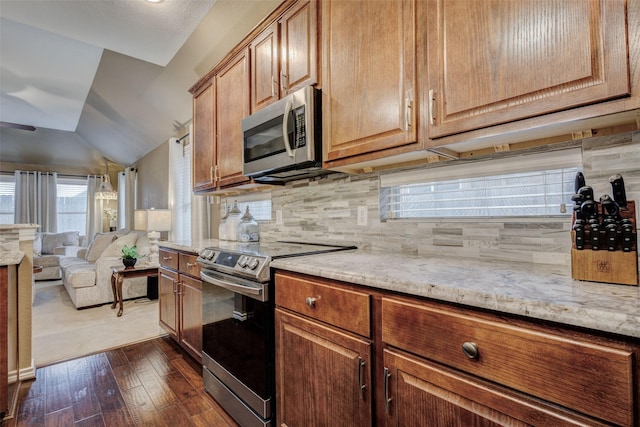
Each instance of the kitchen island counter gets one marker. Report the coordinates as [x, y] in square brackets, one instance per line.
[545, 292]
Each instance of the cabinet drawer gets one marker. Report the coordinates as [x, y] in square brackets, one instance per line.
[188, 265]
[325, 301]
[593, 377]
[168, 259]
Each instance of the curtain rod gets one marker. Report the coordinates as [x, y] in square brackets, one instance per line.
[179, 140]
[61, 175]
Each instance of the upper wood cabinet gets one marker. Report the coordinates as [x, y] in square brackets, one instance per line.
[284, 55]
[204, 154]
[492, 62]
[299, 46]
[368, 77]
[231, 106]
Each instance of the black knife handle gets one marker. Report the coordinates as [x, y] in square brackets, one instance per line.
[578, 228]
[627, 237]
[579, 182]
[617, 188]
[586, 192]
[611, 236]
[595, 237]
[589, 209]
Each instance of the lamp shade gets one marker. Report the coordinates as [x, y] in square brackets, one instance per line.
[152, 220]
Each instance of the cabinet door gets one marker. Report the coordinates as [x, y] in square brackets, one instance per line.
[191, 315]
[496, 61]
[264, 68]
[322, 375]
[203, 139]
[232, 105]
[420, 393]
[299, 47]
[368, 76]
[167, 298]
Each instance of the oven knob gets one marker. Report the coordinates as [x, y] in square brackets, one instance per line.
[242, 262]
[253, 263]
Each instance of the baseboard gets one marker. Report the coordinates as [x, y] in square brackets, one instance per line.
[24, 374]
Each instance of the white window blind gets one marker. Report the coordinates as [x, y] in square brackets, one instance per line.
[7, 198]
[259, 204]
[72, 204]
[534, 185]
[183, 195]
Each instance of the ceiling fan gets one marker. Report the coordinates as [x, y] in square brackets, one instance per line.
[17, 126]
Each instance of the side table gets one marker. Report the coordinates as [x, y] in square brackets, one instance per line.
[121, 273]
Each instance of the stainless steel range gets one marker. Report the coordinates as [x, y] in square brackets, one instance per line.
[238, 331]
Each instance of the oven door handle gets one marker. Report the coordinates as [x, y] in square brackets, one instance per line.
[249, 291]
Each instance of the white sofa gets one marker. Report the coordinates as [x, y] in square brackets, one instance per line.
[87, 276]
[49, 248]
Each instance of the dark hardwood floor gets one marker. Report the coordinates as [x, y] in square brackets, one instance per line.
[153, 383]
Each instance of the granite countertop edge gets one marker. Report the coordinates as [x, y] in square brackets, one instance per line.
[534, 291]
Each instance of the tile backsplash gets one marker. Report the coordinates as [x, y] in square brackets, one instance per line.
[326, 210]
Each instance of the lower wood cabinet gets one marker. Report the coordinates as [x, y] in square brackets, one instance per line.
[323, 373]
[180, 298]
[421, 362]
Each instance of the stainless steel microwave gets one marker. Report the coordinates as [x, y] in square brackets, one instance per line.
[283, 141]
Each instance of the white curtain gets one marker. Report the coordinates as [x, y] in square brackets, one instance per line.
[36, 199]
[127, 198]
[94, 207]
[190, 214]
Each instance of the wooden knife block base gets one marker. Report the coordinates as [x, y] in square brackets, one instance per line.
[607, 266]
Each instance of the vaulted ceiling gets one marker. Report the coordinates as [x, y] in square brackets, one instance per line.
[106, 79]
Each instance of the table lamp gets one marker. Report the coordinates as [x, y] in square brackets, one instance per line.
[153, 221]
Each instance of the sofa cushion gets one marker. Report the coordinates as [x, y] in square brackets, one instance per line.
[50, 241]
[80, 274]
[115, 248]
[99, 243]
[47, 260]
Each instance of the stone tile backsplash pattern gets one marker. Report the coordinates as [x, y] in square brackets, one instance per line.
[325, 210]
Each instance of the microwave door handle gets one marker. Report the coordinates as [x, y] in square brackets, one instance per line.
[285, 126]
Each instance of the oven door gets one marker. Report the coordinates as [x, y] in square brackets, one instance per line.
[238, 346]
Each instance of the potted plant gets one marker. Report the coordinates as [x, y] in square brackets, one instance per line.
[129, 256]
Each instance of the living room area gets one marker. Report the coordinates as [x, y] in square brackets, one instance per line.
[72, 291]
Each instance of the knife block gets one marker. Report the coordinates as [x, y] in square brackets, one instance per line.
[607, 266]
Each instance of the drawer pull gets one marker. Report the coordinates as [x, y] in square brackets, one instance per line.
[470, 349]
[311, 302]
[167, 258]
[361, 384]
[189, 265]
[387, 399]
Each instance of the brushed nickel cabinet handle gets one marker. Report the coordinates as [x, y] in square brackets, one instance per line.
[190, 265]
[387, 399]
[167, 258]
[470, 349]
[361, 385]
[432, 106]
[311, 302]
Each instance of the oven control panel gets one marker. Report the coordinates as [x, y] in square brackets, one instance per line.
[233, 262]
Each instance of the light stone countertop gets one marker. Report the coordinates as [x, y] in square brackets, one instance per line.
[10, 257]
[536, 291]
[189, 246]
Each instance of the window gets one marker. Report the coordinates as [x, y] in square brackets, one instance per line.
[72, 204]
[7, 198]
[259, 205]
[535, 185]
[182, 192]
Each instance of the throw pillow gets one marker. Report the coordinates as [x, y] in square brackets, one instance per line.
[115, 248]
[37, 245]
[50, 241]
[98, 245]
